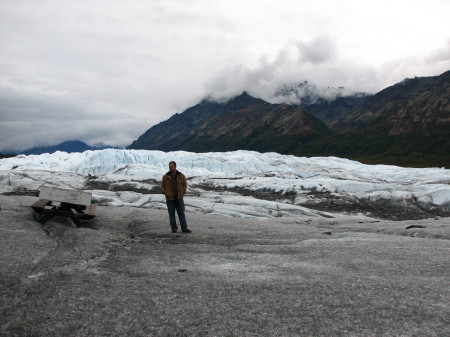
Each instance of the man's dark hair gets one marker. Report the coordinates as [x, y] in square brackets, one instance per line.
[172, 162]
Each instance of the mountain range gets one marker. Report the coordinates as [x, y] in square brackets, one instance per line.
[405, 124]
[244, 122]
[68, 146]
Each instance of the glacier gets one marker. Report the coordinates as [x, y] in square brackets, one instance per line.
[238, 183]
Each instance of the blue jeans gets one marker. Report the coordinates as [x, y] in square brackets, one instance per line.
[178, 205]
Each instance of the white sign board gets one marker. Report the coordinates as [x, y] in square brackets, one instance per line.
[65, 195]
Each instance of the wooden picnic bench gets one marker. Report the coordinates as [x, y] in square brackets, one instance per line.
[54, 201]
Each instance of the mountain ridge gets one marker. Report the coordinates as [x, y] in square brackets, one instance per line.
[69, 146]
[412, 128]
[404, 124]
[244, 122]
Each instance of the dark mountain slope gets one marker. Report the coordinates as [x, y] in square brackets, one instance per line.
[407, 124]
[244, 122]
[330, 105]
[332, 112]
[172, 133]
[388, 99]
[414, 129]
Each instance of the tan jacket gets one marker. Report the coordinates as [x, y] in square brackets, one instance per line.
[166, 185]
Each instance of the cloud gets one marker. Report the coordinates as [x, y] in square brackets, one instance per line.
[316, 60]
[440, 55]
[44, 119]
[322, 61]
[318, 50]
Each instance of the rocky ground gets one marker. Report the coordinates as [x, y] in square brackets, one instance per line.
[126, 274]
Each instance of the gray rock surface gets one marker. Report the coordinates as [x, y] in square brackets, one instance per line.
[126, 274]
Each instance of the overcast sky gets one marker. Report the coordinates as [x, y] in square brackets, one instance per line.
[106, 71]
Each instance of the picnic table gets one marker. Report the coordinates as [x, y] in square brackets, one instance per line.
[55, 201]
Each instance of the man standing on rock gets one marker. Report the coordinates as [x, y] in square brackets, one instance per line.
[174, 186]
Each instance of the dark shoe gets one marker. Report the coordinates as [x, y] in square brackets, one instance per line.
[186, 231]
[174, 230]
